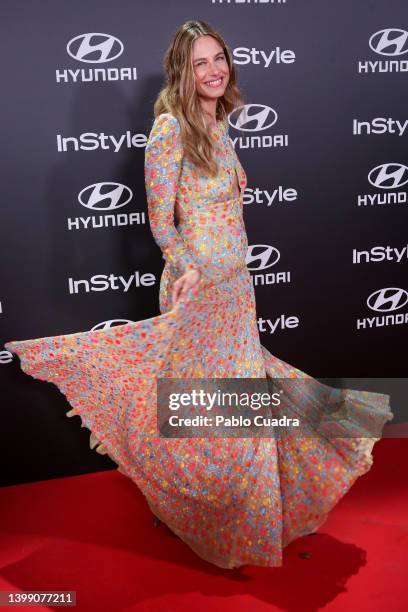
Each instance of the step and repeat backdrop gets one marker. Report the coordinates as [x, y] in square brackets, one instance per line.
[324, 146]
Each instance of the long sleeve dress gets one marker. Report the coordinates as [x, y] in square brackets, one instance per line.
[233, 500]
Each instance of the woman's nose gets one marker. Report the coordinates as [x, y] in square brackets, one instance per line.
[212, 66]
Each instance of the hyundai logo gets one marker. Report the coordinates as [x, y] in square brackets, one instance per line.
[252, 117]
[95, 48]
[390, 41]
[108, 324]
[389, 176]
[105, 196]
[388, 299]
[267, 256]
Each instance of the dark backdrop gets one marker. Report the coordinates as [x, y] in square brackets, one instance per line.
[325, 152]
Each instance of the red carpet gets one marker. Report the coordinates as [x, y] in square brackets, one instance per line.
[94, 534]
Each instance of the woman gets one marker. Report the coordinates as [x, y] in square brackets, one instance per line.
[234, 501]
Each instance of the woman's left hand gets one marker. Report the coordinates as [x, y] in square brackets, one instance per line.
[183, 284]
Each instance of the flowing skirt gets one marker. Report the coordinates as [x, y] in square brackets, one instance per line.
[233, 500]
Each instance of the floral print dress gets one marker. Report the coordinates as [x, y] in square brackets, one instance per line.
[233, 500]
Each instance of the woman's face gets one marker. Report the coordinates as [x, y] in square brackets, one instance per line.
[210, 67]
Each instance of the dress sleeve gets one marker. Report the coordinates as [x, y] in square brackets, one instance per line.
[163, 157]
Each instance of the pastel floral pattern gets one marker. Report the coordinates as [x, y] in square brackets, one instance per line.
[234, 501]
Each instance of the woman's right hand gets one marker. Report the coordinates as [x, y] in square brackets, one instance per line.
[183, 284]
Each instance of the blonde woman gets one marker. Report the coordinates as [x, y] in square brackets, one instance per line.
[233, 500]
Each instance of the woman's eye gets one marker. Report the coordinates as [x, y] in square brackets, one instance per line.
[222, 57]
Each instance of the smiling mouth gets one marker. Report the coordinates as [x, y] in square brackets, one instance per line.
[215, 83]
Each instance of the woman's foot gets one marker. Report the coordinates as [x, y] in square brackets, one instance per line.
[156, 522]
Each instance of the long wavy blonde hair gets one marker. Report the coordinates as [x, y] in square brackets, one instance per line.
[179, 96]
